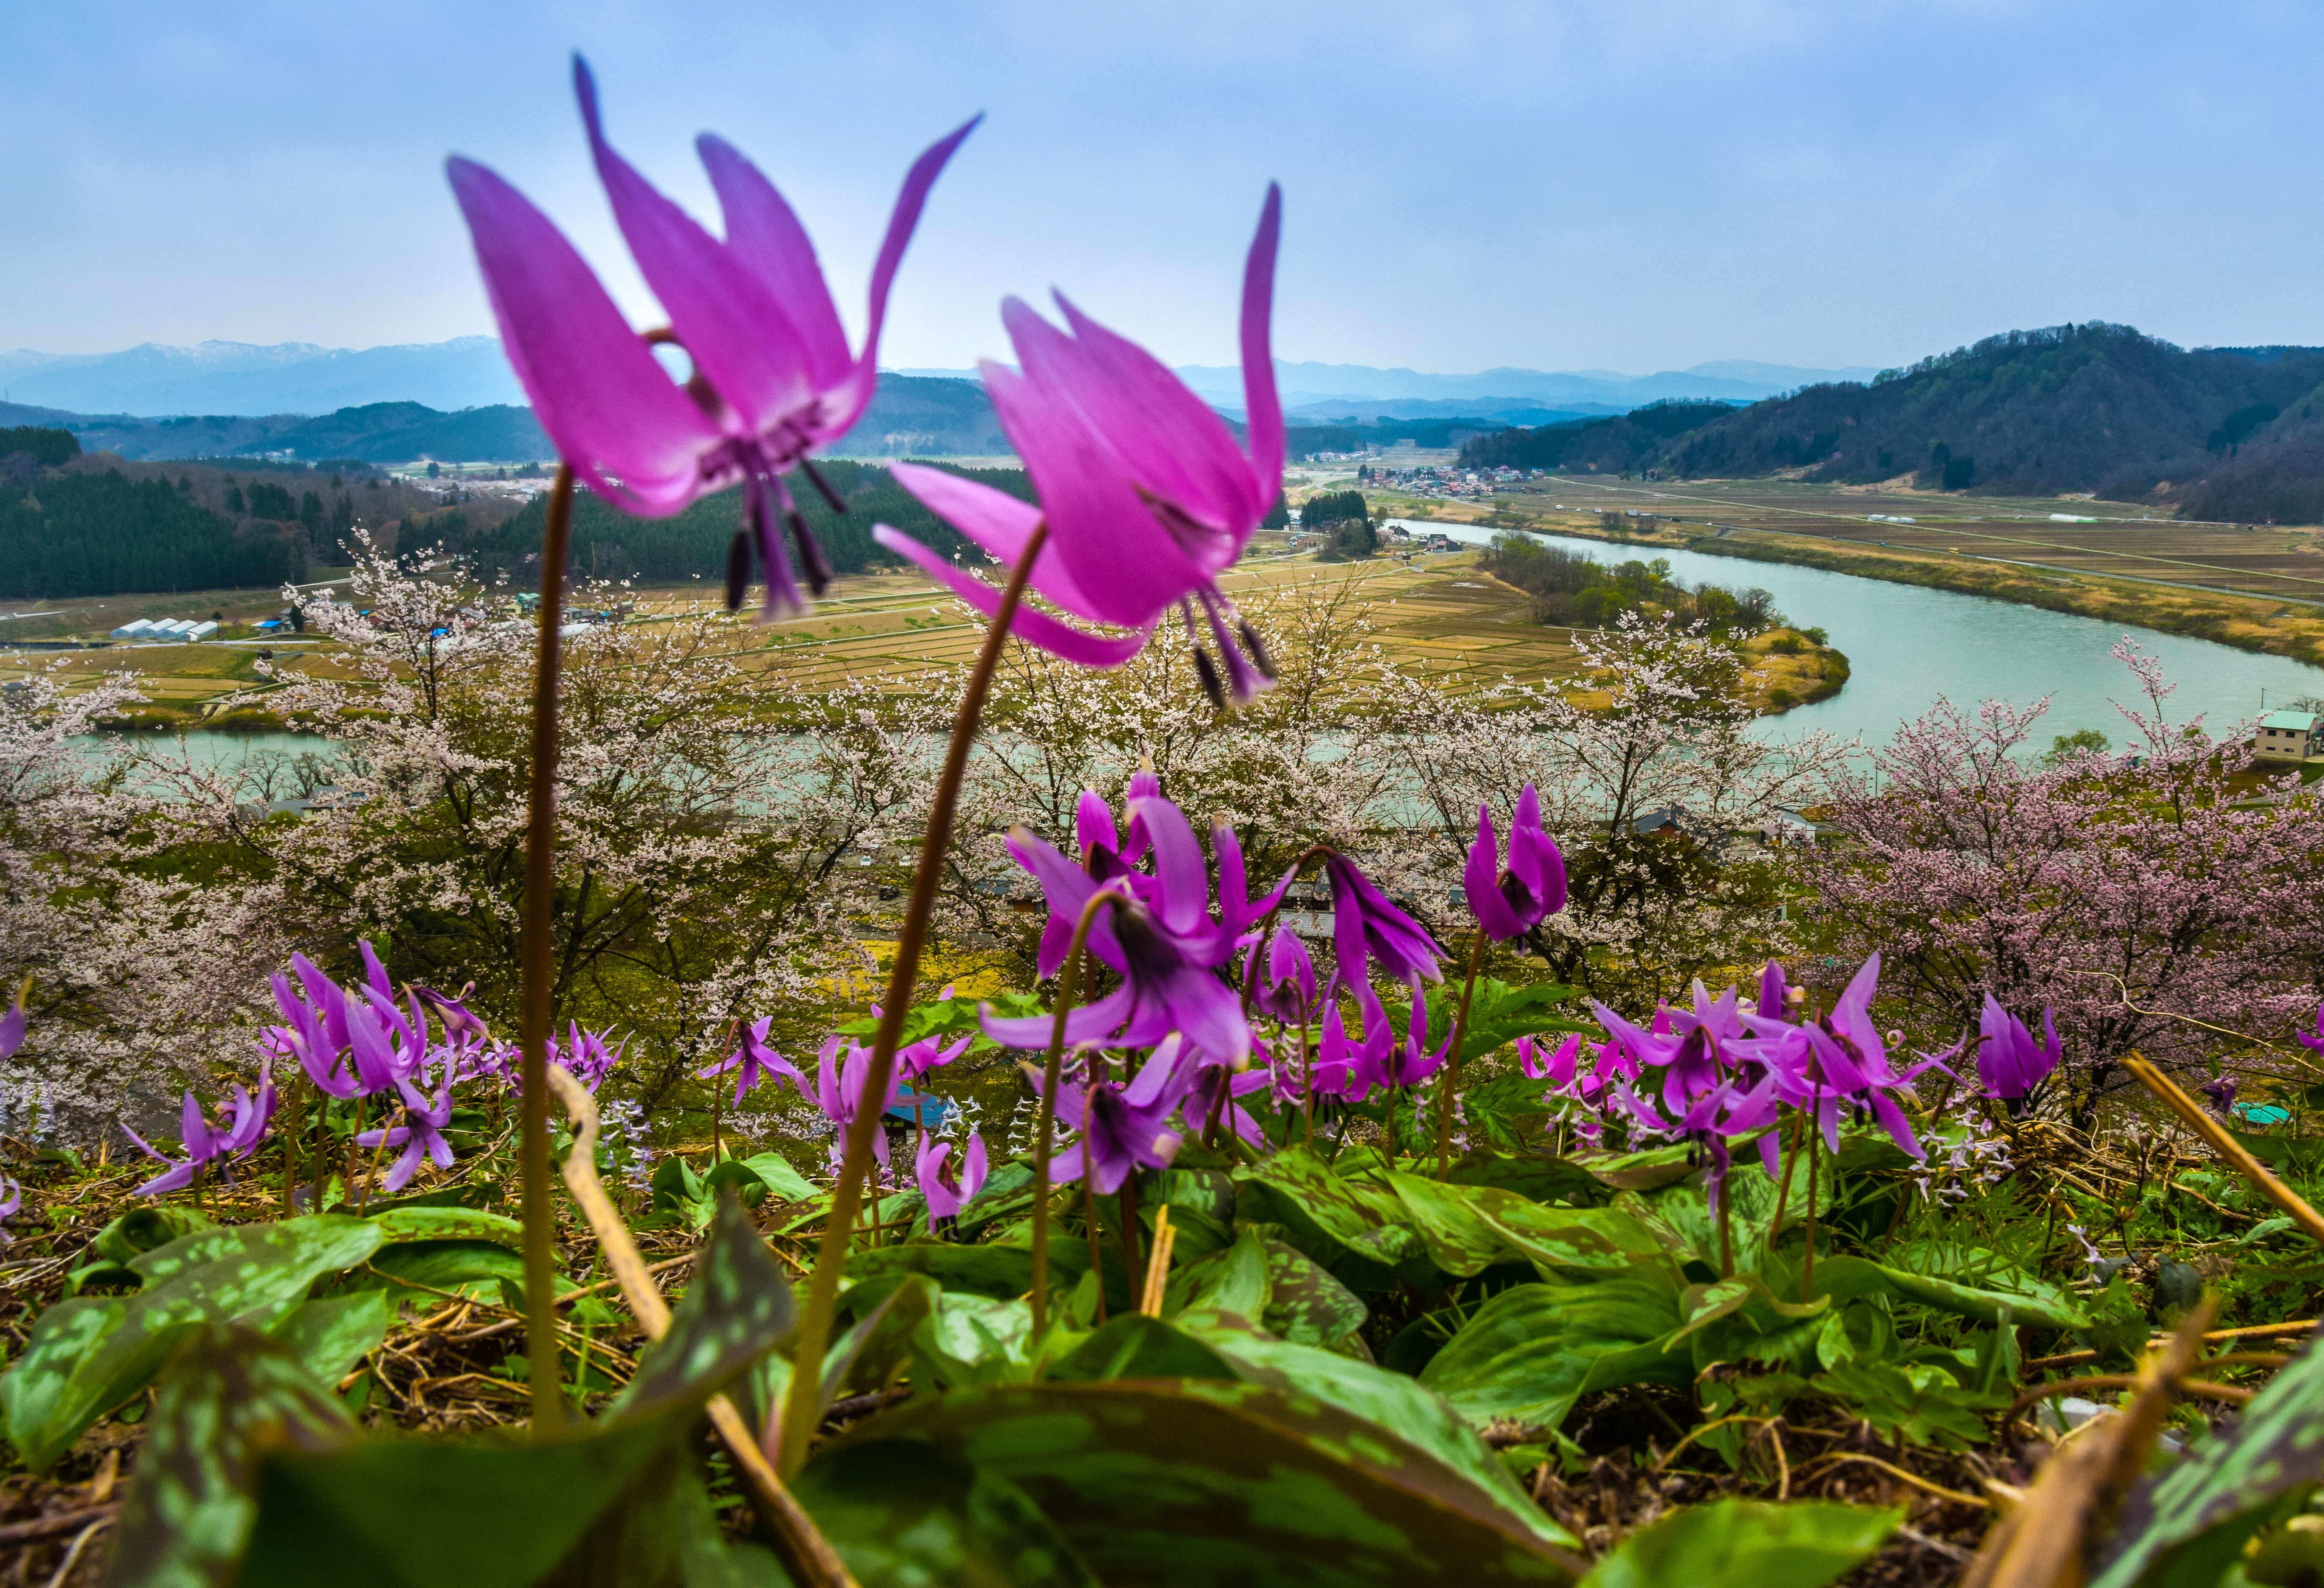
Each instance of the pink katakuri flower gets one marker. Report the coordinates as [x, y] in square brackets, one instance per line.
[1147, 496]
[948, 1189]
[1511, 903]
[773, 382]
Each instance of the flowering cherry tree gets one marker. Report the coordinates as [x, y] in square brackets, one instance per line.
[2132, 893]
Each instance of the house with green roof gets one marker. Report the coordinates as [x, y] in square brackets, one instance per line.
[2289, 736]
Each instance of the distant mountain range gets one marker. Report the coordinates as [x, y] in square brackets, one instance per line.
[1342, 392]
[238, 379]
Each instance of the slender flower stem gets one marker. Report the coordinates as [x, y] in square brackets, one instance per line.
[1096, 1251]
[291, 1148]
[802, 1410]
[1791, 1167]
[1450, 1086]
[1815, 1142]
[538, 976]
[1069, 978]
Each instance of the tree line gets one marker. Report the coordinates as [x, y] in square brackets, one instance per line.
[1575, 590]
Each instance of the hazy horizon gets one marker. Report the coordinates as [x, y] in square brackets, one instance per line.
[1555, 188]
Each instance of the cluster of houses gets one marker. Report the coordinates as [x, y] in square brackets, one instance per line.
[1450, 484]
[165, 631]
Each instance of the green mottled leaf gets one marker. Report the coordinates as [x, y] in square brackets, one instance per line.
[879, 1341]
[230, 1398]
[1803, 1545]
[736, 1308]
[1536, 1179]
[1207, 1482]
[2275, 1447]
[1417, 1414]
[988, 1270]
[1470, 1229]
[1136, 1346]
[1235, 1281]
[1305, 1305]
[1499, 1014]
[330, 1335]
[974, 1340]
[90, 1354]
[783, 1182]
[398, 1225]
[605, 1507]
[1302, 1192]
[902, 1515]
[427, 1270]
[1533, 1350]
[143, 1229]
[2013, 1294]
[1638, 1172]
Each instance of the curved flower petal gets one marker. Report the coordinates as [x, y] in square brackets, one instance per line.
[1262, 407]
[1480, 881]
[766, 239]
[611, 411]
[1031, 624]
[852, 399]
[738, 333]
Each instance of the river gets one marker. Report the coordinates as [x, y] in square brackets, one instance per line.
[1909, 646]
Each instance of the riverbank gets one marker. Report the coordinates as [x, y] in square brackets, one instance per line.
[2275, 622]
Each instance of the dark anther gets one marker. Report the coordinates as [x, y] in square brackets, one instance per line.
[829, 495]
[1256, 647]
[811, 560]
[738, 568]
[1208, 671]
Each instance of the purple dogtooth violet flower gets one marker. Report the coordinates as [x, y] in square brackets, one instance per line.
[1556, 1067]
[1147, 497]
[1509, 902]
[773, 379]
[12, 1026]
[1203, 1100]
[12, 1201]
[1160, 940]
[1104, 855]
[838, 1091]
[1410, 1063]
[421, 1135]
[929, 1053]
[755, 1060]
[2314, 1043]
[1288, 989]
[947, 1188]
[1346, 1068]
[1850, 1066]
[2221, 1090]
[2009, 1061]
[1124, 1128]
[1367, 930]
[206, 1143]
[463, 1026]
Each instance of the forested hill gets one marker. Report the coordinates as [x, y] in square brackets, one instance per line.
[610, 544]
[1610, 446]
[68, 528]
[2093, 407]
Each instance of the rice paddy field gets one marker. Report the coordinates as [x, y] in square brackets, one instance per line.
[1436, 614]
[2257, 587]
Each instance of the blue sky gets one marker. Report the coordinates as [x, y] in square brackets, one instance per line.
[1632, 187]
